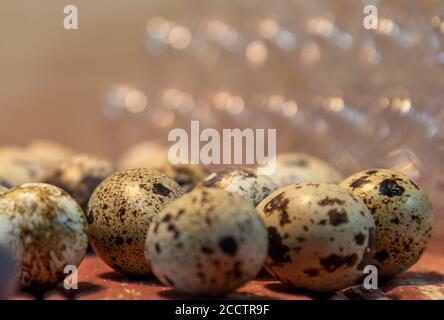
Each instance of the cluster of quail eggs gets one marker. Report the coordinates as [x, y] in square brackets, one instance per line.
[44, 187]
[204, 234]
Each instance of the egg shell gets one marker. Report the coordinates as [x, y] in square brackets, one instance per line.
[48, 152]
[144, 155]
[186, 175]
[321, 236]
[79, 175]
[243, 182]
[45, 230]
[403, 215]
[3, 189]
[18, 167]
[299, 167]
[120, 211]
[154, 155]
[208, 242]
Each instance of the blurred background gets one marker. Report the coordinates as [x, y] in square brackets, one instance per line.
[134, 70]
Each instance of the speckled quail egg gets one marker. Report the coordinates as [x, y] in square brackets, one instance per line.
[120, 211]
[47, 152]
[3, 190]
[403, 216]
[321, 236]
[186, 175]
[79, 175]
[144, 155]
[208, 242]
[298, 167]
[243, 182]
[7, 273]
[153, 155]
[45, 230]
[17, 167]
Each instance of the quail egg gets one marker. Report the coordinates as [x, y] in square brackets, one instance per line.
[79, 175]
[403, 216]
[208, 242]
[298, 167]
[186, 175]
[45, 230]
[243, 182]
[321, 236]
[17, 167]
[48, 152]
[3, 190]
[120, 211]
[7, 273]
[144, 155]
[154, 155]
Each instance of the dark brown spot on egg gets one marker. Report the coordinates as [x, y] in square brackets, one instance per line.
[213, 181]
[330, 201]
[311, 272]
[157, 246]
[359, 182]
[417, 219]
[284, 218]
[334, 261]
[167, 217]
[156, 227]
[370, 172]
[337, 217]
[390, 188]
[180, 213]
[382, 255]
[121, 214]
[359, 239]
[172, 228]
[119, 241]
[395, 220]
[297, 163]
[278, 203]
[207, 250]
[161, 189]
[228, 245]
[277, 251]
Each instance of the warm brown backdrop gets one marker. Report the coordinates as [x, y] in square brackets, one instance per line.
[51, 80]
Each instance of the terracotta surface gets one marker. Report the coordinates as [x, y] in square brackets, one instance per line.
[425, 280]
